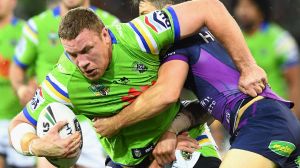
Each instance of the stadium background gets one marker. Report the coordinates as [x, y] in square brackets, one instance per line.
[286, 12]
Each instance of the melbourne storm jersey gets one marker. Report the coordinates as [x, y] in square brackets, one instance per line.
[133, 69]
[213, 76]
[9, 36]
[40, 45]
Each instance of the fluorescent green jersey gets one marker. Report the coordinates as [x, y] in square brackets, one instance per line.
[40, 45]
[9, 36]
[274, 50]
[132, 70]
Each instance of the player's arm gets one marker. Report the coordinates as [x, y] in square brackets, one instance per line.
[150, 103]
[25, 55]
[25, 141]
[22, 129]
[195, 14]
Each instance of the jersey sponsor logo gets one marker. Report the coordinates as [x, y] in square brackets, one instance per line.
[158, 21]
[4, 66]
[282, 148]
[37, 100]
[185, 159]
[122, 81]
[140, 152]
[99, 89]
[140, 67]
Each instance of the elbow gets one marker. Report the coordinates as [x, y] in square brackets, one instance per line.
[171, 97]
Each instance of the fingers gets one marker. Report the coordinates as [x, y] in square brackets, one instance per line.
[164, 158]
[58, 126]
[73, 145]
[187, 144]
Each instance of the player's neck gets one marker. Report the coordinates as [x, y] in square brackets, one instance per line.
[64, 9]
[6, 20]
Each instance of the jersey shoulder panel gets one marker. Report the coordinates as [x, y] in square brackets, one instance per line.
[53, 89]
[150, 33]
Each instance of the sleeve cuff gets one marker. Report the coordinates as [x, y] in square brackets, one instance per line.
[28, 116]
[175, 23]
[19, 63]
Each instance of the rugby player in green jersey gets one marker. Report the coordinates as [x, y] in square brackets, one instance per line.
[105, 69]
[208, 154]
[40, 48]
[273, 48]
[10, 33]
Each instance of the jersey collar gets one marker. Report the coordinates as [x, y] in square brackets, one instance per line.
[56, 11]
[112, 36]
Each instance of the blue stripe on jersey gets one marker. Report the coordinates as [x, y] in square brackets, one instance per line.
[141, 37]
[94, 8]
[28, 116]
[19, 63]
[57, 88]
[112, 36]
[175, 22]
[201, 137]
[56, 11]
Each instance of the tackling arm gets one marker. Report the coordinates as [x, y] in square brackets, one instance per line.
[195, 14]
[150, 103]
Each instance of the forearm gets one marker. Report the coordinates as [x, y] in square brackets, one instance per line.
[21, 135]
[213, 14]
[149, 104]
[189, 117]
[156, 99]
[16, 76]
[227, 31]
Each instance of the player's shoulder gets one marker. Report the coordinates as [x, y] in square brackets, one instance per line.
[44, 16]
[106, 17]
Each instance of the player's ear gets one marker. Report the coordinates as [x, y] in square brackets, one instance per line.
[105, 35]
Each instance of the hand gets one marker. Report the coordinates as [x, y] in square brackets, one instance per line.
[25, 94]
[187, 144]
[52, 145]
[253, 80]
[164, 151]
[106, 127]
[154, 164]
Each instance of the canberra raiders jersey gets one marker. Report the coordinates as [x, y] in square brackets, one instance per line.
[132, 70]
[275, 50]
[213, 77]
[40, 45]
[9, 36]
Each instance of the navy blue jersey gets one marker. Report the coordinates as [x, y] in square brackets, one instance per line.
[213, 76]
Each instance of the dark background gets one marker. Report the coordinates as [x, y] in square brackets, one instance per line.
[285, 12]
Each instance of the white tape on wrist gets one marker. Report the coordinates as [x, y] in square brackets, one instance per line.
[17, 135]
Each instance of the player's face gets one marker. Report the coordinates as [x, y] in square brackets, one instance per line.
[146, 7]
[6, 6]
[247, 14]
[90, 53]
[71, 4]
